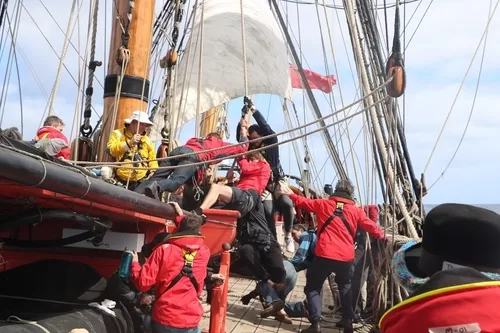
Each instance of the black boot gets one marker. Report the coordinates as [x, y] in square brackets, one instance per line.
[346, 325]
[314, 328]
[153, 191]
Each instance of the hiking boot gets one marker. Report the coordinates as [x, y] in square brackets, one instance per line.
[248, 297]
[314, 328]
[152, 191]
[282, 317]
[272, 309]
[289, 244]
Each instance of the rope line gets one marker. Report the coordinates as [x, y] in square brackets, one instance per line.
[61, 60]
[253, 150]
[461, 86]
[267, 136]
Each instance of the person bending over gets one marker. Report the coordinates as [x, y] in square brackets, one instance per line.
[254, 173]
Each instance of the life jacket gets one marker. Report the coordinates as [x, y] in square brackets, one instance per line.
[186, 271]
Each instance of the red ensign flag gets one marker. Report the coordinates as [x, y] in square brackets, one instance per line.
[316, 80]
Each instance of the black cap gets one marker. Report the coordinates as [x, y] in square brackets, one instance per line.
[459, 234]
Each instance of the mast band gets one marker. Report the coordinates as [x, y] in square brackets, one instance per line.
[132, 87]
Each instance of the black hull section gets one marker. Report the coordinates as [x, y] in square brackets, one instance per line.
[75, 182]
[89, 319]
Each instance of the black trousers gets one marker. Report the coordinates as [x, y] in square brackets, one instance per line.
[358, 269]
[269, 213]
[265, 265]
[316, 275]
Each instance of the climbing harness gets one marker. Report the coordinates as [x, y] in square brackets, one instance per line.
[395, 64]
[187, 270]
[339, 212]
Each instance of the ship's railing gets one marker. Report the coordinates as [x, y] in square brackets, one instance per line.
[218, 306]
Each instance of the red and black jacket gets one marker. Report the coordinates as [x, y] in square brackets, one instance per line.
[457, 300]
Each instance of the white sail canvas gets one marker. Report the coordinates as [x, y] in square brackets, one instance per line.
[221, 63]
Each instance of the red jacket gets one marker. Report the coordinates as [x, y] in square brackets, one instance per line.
[213, 142]
[372, 212]
[458, 305]
[179, 307]
[253, 175]
[336, 242]
[49, 132]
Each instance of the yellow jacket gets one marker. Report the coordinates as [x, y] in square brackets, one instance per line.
[118, 148]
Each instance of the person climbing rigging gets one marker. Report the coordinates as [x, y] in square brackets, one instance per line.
[131, 144]
[338, 218]
[177, 269]
[254, 174]
[169, 180]
[272, 155]
[51, 140]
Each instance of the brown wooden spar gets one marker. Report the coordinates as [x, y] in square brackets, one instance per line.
[209, 119]
[134, 91]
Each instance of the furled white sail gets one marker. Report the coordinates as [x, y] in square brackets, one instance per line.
[221, 64]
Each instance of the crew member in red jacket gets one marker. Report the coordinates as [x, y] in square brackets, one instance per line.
[177, 269]
[254, 175]
[338, 219]
[169, 180]
[51, 140]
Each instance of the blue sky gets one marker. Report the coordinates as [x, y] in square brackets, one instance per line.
[436, 61]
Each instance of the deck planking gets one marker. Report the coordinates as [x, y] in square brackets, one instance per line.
[246, 318]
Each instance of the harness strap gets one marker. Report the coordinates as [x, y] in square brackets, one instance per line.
[187, 270]
[339, 212]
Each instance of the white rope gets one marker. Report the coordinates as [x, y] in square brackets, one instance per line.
[244, 49]
[200, 69]
[61, 60]
[15, 319]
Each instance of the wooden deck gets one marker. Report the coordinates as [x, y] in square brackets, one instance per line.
[245, 318]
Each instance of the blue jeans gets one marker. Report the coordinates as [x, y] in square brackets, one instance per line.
[269, 294]
[159, 328]
[295, 309]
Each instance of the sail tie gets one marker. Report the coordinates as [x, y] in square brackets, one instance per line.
[61, 59]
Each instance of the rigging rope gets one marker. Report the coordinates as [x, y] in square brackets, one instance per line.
[244, 49]
[216, 160]
[275, 134]
[461, 86]
[472, 107]
[86, 128]
[61, 60]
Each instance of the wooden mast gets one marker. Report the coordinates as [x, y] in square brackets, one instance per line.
[134, 91]
[209, 119]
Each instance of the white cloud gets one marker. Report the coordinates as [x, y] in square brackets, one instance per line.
[436, 61]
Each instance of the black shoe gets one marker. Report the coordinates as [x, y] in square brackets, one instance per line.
[152, 191]
[248, 297]
[272, 309]
[314, 328]
[346, 325]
